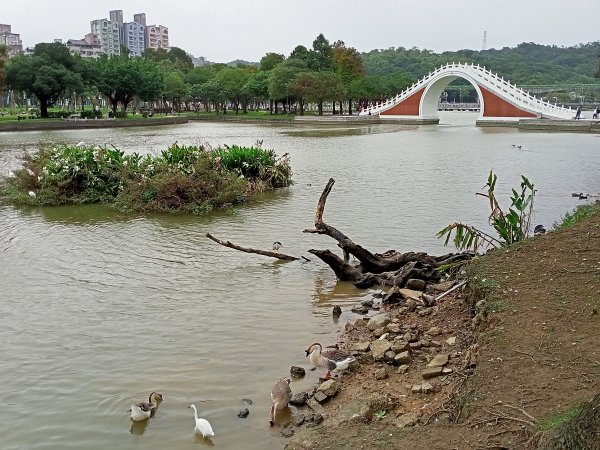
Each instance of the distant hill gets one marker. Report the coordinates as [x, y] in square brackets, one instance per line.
[528, 63]
[202, 61]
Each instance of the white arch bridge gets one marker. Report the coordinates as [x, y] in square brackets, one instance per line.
[500, 100]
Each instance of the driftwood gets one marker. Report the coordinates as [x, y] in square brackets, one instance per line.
[391, 268]
[269, 253]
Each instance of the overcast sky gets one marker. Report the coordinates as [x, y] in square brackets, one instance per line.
[224, 30]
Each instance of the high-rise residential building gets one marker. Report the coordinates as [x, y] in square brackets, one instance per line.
[88, 47]
[116, 15]
[109, 35]
[158, 37]
[134, 38]
[10, 39]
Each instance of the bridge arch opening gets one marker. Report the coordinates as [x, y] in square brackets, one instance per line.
[428, 108]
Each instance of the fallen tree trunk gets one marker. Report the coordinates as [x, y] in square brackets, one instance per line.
[269, 253]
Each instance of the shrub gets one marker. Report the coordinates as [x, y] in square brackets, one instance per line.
[182, 178]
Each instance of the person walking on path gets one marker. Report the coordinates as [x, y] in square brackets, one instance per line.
[578, 113]
[596, 113]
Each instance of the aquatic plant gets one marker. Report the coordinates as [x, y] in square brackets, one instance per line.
[512, 226]
[180, 179]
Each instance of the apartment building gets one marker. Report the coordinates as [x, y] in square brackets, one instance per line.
[158, 37]
[10, 39]
[109, 35]
[88, 47]
[134, 38]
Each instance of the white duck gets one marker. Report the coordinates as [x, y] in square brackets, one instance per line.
[202, 425]
[330, 358]
[281, 394]
[145, 410]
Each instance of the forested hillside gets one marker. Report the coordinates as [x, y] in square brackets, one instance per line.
[528, 63]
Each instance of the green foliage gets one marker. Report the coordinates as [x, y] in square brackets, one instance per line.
[270, 60]
[180, 179]
[179, 59]
[528, 63]
[3, 61]
[381, 414]
[48, 73]
[579, 214]
[511, 227]
[255, 163]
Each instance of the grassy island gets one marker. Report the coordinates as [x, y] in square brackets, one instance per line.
[187, 179]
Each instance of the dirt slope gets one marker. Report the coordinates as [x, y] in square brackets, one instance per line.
[537, 357]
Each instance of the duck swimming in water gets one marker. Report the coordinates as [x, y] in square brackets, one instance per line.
[145, 410]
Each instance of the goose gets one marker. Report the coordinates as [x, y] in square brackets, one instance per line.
[330, 358]
[202, 425]
[281, 394]
[277, 245]
[145, 410]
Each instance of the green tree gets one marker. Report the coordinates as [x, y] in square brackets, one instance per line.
[121, 79]
[281, 79]
[175, 89]
[47, 74]
[3, 61]
[320, 56]
[301, 53]
[270, 60]
[233, 81]
[180, 59]
[349, 66]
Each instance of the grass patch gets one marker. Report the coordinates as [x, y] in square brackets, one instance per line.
[556, 420]
[579, 214]
[187, 179]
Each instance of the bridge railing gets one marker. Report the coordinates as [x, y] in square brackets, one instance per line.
[487, 78]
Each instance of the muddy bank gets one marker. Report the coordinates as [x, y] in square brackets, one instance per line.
[511, 356]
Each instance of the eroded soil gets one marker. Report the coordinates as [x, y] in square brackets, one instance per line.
[533, 360]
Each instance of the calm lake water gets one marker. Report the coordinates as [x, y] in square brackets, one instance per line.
[98, 308]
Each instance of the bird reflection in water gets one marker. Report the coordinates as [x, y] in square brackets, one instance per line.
[138, 428]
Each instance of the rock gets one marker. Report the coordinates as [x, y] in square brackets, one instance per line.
[348, 327]
[247, 400]
[439, 360]
[361, 323]
[428, 299]
[368, 303]
[411, 305]
[447, 371]
[365, 358]
[315, 406]
[393, 328]
[297, 419]
[287, 432]
[435, 344]
[399, 346]
[406, 420]
[392, 297]
[402, 369]
[299, 399]
[297, 372]
[431, 372]
[434, 331]
[382, 373]
[379, 332]
[426, 387]
[415, 345]
[411, 294]
[379, 347]
[441, 287]
[329, 388]
[451, 340]
[320, 397]
[402, 358]
[407, 336]
[243, 413]
[389, 356]
[378, 321]
[415, 284]
[425, 312]
[337, 311]
[361, 346]
[360, 309]
[416, 389]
